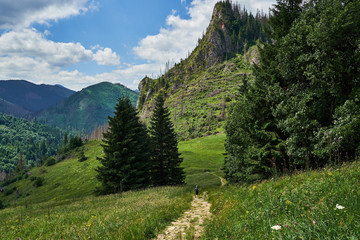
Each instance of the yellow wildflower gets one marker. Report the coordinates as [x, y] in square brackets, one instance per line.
[253, 188]
[288, 202]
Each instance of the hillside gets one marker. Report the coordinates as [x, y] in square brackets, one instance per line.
[305, 204]
[87, 108]
[30, 138]
[19, 97]
[71, 179]
[201, 86]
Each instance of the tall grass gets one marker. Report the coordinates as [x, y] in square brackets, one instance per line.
[304, 206]
[133, 215]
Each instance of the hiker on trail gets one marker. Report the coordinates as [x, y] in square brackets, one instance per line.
[196, 190]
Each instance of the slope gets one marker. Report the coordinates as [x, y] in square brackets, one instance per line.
[32, 139]
[201, 86]
[72, 179]
[32, 97]
[87, 108]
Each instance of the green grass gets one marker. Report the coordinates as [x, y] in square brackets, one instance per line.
[65, 208]
[68, 179]
[304, 205]
[134, 215]
[203, 160]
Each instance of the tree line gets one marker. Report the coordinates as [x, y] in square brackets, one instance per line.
[136, 157]
[32, 140]
[301, 109]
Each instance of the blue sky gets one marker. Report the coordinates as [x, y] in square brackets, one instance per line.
[77, 43]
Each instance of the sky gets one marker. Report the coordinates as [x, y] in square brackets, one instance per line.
[78, 43]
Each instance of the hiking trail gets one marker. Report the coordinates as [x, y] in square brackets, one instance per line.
[191, 222]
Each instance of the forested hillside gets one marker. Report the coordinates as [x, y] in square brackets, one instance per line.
[199, 88]
[32, 140]
[88, 108]
[302, 110]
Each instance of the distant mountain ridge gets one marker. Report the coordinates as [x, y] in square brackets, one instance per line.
[25, 97]
[88, 108]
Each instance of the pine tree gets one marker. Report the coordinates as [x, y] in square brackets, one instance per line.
[166, 157]
[126, 163]
[20, 164]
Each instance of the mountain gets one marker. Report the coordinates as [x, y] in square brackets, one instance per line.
[12, 109]
[201, 87]
[87, 108]
[19, 97]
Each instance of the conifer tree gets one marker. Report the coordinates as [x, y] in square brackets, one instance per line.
[21, 163]
[126, 163]
[166, 157]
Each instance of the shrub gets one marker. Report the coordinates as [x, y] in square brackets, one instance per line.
[9, 191]
[39, 181]
[50, 161]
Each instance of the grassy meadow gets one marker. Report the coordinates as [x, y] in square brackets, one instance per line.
[132, 215]
[64, 206]
[306, 205]
[203, 160]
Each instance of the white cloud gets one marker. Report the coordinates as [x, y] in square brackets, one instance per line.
[181, 35]
[28, 54]
[29, 43]
[22, 13]
[106, 57]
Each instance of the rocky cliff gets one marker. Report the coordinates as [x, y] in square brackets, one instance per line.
[219, 55]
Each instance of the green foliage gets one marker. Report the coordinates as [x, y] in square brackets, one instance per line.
[82, 156]
[303, 204]
[300, 112]
[9, 191]
[1, 205]
[165, 160]
[85, 110]
[65, 203]
[197, 106]
[197, 86]
[50, 161]
[31, 138]
[39, 181]
[126, 164]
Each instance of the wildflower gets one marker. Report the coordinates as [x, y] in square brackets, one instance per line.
[287, 226]
[314, 222]
[276, 227]
[288, 202]
[253, 188]
[295, 223]
[339, 206]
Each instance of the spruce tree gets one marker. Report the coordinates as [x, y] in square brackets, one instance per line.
[126, 161]
[20, 164]
[166, 158]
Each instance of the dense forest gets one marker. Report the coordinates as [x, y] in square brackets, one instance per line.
[302, 109]
[30, 139]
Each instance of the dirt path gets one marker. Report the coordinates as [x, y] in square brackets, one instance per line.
[191, 221]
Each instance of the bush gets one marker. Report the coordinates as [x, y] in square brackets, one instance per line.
[82, 156]
[9, 191]
[39, 182]
[50, 161]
